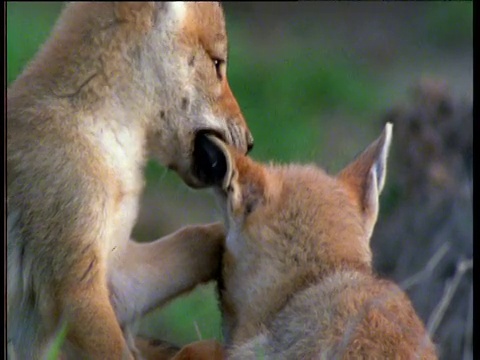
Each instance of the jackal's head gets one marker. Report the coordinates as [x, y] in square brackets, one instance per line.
[180, 56]
[297, 213]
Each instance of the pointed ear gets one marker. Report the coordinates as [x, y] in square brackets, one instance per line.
[212, 161]
[365, 176]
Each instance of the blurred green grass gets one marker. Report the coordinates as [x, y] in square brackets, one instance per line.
[28, 26]
[287, 99]
[450, 26]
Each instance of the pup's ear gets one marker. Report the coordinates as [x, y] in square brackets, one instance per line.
[242, 180]
[212, 161]
[365, 177]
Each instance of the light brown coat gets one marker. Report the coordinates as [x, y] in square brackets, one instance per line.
[297, 276]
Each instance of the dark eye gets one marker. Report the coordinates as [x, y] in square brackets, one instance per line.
[219, 64]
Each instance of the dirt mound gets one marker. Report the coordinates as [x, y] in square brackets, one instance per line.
[430, 216]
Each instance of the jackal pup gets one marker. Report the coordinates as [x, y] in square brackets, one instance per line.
[297, 279]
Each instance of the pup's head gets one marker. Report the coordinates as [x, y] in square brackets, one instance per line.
[182, 58]
[294, 211]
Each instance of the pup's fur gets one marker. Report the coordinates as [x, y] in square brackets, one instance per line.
[115, 83]
[297, 275]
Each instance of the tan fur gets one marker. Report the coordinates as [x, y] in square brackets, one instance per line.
[114, 84]
[297, 275]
